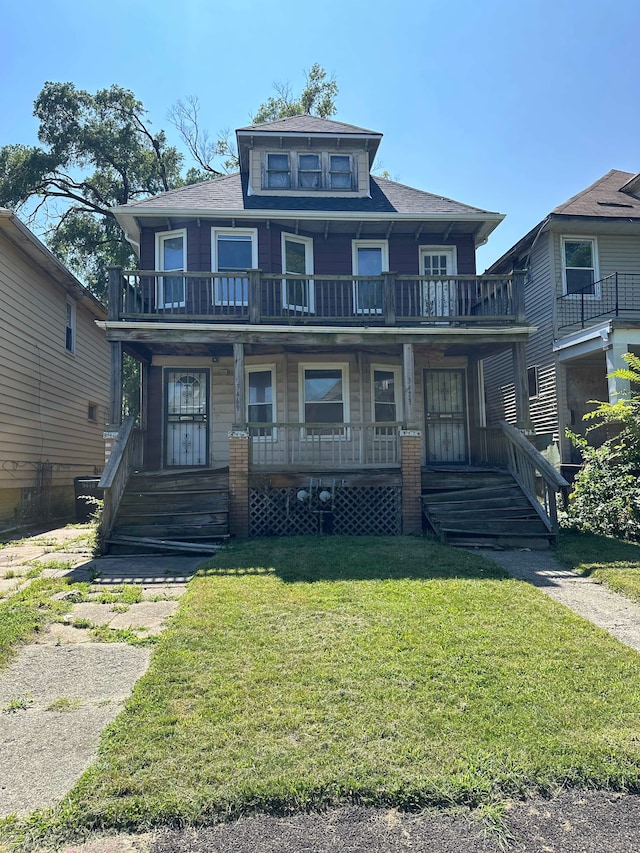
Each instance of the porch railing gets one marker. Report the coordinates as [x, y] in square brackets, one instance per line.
[537, 478]
[252, 296]
[616, 295]
[297, 445]
[125, 457]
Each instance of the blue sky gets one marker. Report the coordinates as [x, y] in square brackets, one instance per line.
[508, 105]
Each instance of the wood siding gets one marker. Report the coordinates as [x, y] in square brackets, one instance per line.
[45, 390]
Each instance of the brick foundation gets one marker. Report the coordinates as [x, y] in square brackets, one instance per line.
[410, 455]
[239, 483]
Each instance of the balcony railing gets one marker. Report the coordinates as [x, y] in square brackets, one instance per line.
[252, 296]
[297, 445]
[616, 295]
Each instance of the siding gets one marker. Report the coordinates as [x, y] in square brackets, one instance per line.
[44, 389]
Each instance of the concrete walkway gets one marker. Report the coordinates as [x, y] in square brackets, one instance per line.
[59, 692]
[609, 610]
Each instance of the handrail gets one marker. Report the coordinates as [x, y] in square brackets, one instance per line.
[125, 456]
[527, 465]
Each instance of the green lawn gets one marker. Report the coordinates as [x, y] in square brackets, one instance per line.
[304, 672]
[610, 561]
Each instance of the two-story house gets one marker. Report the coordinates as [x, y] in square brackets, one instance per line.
[311, 338]
[582, 294]
[54, 380]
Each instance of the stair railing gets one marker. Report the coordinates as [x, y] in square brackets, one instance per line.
[125, 456]
[537, 478]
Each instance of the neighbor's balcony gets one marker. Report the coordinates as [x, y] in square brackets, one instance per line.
[617, 295]
[324, 445]
[255, 297]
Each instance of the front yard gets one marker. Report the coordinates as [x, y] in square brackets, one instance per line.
[304, 672]
[610, 561]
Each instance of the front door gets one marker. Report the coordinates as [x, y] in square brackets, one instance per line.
[186, 417]
[439, 298]
[445, 415]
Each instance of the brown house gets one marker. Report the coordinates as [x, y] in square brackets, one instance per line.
[311, 338]
[54, 383]
[582, 294]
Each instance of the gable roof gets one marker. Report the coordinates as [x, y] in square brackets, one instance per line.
[609, 198]
[307, 124]
[18, 233]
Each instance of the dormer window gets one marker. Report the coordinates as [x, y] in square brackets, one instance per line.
[340, 172]
[278, 172]
[309, 171]
[305, 170]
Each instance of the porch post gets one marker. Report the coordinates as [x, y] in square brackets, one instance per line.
[115, 413]
[409, 384]
[238, 386]
[410, 453]
[521, 387]
[239, 482]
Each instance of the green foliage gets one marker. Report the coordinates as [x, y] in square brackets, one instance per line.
[97, 151]
[317, 98]
[606, 494]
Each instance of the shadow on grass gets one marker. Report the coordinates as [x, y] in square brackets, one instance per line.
[308, 559]
[590, 551]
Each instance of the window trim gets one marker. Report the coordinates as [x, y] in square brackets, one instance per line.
[325, 170]
[367, 244]
[262, 368]
[217, 294]
[92, 406]
[70, 325]
[568, 238]
[536, 375]
[307, 242]
[161, 236]
[289, 171]
[452, 251]
[343, 366]
[397, 378]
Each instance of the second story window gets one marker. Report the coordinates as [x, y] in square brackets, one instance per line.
[171, 251]
[278, 172]
[579, 266]
[70, 328]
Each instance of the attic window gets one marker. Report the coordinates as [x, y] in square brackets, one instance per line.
[340, 175]
[278, 171]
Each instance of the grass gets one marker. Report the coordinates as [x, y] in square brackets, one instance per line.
[610, 561]
[28, 611]
[64, 704]
[301, 673]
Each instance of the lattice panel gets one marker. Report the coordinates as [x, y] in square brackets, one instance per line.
[355, 511]
[367, 510]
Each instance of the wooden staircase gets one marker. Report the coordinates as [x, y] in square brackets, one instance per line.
[183, 510]
[481, 507]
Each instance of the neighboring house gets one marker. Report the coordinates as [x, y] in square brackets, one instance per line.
[582, 294]
[54, 383]
[313, 330]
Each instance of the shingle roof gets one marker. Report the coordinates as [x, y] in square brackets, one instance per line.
[604, 198]
[230, 193]
[307, 124]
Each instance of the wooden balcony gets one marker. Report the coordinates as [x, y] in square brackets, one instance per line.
[337, 446]
[255, 297]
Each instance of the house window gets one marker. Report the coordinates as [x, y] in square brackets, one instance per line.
[309, 171]
[532, 381]
[278, 172]
[325, 394]
[70, 326]
[297, 258]
[340, 172]
[260, 400]
[171, 254]
[385, 394]
[579, 266]
[370, 258]
[92, 412]
[232, 252]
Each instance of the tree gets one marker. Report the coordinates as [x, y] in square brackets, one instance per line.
[96, 151]
[316, 98]
[606, 491]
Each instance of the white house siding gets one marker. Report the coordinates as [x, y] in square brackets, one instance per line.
[44, 390]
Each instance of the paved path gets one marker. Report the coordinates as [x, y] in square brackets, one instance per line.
[609, 610]
[59, 692]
